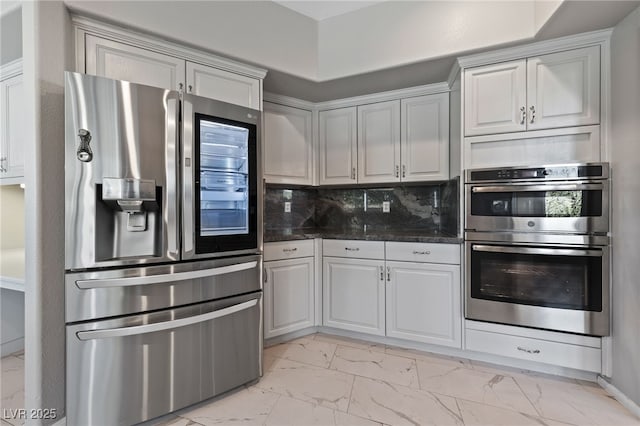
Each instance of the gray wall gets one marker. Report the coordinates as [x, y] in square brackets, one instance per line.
[11, 36]
[625, 163]
[47, 46]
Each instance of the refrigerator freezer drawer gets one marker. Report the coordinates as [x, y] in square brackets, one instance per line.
[100, 294]
[131, 369]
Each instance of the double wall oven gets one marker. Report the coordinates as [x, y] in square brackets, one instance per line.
[537, 247]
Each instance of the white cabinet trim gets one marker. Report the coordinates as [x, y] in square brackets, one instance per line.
[87, 25]
[11, 69]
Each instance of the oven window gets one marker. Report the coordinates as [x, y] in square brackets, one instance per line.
[581, 203]
[555, 281]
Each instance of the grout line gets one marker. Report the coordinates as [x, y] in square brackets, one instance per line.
[353, 383]
[527, 397]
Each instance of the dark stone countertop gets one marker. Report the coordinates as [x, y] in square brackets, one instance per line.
[410, 236]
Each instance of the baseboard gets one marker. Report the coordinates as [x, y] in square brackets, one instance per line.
[619, 396]
[13, 346]
[290, 336]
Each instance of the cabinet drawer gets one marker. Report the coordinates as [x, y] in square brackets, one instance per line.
[288, 250]
[545, 351]
[353, 249]
[423, 252]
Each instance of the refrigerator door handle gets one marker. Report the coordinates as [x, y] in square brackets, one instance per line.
[172, 137]
[188, 178]
[162, 278]
[164, 325]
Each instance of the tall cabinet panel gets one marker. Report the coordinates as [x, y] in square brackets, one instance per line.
[378, 142]
[564, 89]
[338, 146]
[119, 61]
[495, 98]
[223, 85]
[288, 147]
[425, 138]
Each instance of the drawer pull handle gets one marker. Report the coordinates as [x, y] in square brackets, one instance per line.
[352, 249]
[421, 252]
[529, 351]
[289, 250]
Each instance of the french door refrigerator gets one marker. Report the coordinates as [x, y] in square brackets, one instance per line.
[163, 256]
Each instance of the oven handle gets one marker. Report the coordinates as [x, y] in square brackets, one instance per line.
[539, 188]
[537, 250]
[164, 325]
[163, 278]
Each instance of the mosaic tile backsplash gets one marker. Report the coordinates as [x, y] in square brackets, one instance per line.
[422, 209]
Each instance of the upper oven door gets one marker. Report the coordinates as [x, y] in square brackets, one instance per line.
[560, 207]
[221, 201]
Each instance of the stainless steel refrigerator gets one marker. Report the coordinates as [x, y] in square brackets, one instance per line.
[163, 255]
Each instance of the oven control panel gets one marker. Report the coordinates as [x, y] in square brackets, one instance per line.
[556, 172]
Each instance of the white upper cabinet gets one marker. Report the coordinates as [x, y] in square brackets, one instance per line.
[563, 89]
[120, 61]
[12, 139]
[338, 133]
[424, 145]
[223, 85]
[542, 92]
[288, 145]
[379, 142]
[495, 98]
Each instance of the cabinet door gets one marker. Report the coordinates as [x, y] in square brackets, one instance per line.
[12, 139]
[288, 296]
[495, 98]
[423, 303]
[379, 142]
[424, 147]
[119, 61]
[288, 147]
[563, 89]
[353, 294]
[338, 152]
[223, 85]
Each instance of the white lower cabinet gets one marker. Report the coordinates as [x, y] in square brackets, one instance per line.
[289, 287]
[353, 294]
[423, 303]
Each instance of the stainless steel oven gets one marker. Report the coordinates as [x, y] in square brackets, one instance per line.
[537, 247]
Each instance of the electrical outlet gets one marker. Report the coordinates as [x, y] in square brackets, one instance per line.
[287, 206]
[386, 206]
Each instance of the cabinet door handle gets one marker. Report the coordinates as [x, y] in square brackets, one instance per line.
[421, 252]
[388, 273]
[533, 114]
[523, 115]
[404, 171]
[353, 173]
[265, 275]
[190, 89]
[397, 171]
[352, 248]
[529, 351]
[180, 86]
[290, 250]
[381, 273]
[3, 160]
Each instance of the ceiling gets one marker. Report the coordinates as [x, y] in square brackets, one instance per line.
[321, 10]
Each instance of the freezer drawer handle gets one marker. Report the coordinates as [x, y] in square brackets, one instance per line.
[165, 325]
[163, 278]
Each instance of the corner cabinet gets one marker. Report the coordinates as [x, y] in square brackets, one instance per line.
[542, 92]
[288, 145]
[338, 134]
[379, 142]
[289, 290]
[12, 112]
[109, 51]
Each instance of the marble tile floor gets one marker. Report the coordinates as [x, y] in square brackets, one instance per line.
[11, 388]
[329, 380]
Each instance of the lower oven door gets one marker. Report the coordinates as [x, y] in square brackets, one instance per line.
[130, 369]
[554, 288]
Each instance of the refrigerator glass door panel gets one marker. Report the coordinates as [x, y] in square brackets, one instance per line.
[131, 369]
[121, 174]
[221, 213]
[102, 294]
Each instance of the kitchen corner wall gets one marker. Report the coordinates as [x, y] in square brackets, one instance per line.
[625, 235]
[423, 209]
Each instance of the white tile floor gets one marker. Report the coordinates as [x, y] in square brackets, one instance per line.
[11, 387]
[328, 380]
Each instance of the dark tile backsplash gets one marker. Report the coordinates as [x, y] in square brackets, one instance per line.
[428, 209]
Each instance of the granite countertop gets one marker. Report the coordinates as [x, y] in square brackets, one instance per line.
[413, 236]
